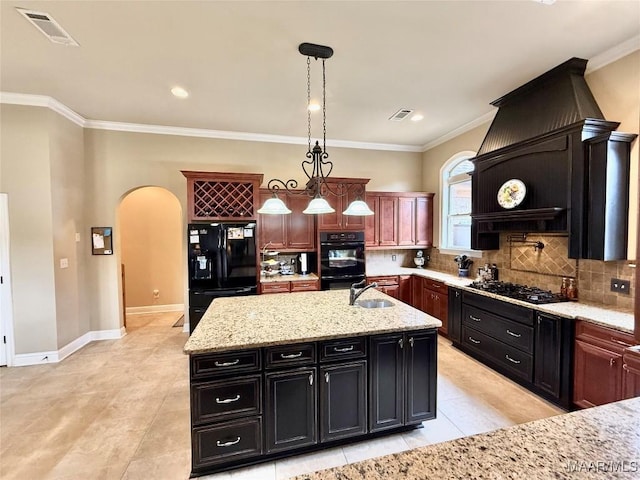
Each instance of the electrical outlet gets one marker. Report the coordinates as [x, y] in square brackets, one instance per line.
[393, 258]
[620, 286]
[156, 293]
[64, 263]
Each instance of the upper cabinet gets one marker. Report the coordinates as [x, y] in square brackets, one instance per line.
[293, 232]
[336, 221]
[222, 196]
[402, 219]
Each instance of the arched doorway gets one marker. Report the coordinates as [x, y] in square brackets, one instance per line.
[150, 225]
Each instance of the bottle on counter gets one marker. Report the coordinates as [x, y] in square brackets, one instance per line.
[572, 290]
[563, 286]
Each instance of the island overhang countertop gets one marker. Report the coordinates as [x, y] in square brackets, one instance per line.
[238, 323]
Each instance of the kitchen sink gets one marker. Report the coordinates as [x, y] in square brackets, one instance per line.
[375, 303]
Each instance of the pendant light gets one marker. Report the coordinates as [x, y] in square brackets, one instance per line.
[316, 164]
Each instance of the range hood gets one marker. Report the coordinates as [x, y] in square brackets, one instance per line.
[551, 135]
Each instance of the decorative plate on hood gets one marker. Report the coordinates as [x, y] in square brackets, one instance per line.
[511, 193]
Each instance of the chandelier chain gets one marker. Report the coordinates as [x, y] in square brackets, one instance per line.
[309, 101]
[324, 110]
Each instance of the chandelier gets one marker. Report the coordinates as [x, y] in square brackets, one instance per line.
[317, 167]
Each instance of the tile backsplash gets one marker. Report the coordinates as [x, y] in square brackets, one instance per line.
[521, 263]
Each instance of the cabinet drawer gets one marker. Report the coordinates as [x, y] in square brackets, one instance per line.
[208, 365]
[226, 398]
[512, 333]
[383, 281]
[226, 442]
[290, 355]
[603, 336]
[435, 286]
[499, 307]
[305, 286]
[343, 349]
[275, 287]
[512, 359]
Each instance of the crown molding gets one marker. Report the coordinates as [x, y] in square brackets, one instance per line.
[487, 117]
[616, 53]
[43, 101]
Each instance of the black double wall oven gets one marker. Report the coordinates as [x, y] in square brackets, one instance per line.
[342, 260]
[222, 263]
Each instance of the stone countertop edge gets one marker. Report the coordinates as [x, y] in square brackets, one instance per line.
[622, 321]
[296, 277]
[582, 444]
[241, 323]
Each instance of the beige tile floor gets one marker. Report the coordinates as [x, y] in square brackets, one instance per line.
[119, 409]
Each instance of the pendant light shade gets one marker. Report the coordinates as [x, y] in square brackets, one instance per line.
[358, 208]
[317, 206]
[274, 206]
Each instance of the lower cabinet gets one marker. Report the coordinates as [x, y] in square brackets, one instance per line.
[454, 312]
[291, 404]
[255, 405]
[402, 380]
[343, 400]
[631, 372]
[387, 284]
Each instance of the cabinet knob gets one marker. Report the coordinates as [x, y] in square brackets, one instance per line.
[401, 343]
[411, 342]
[457, 294]
[326, 377]
[612, 362]
[625, 367]
[311, 379]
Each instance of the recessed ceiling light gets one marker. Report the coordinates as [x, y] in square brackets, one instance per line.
[417, 117]
[314, 107]
[179, 92]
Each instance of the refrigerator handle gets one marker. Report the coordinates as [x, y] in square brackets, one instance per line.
[225, 258]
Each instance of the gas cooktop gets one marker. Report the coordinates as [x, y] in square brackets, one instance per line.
[519, 292]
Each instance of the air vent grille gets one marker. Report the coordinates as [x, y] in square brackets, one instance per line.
[400, 115]
[48, 27]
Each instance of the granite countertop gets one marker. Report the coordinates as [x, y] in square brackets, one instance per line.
[622, 321]
[296, 277]
[236, 323]
[591, 443]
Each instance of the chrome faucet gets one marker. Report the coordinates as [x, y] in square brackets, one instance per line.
[354, 293]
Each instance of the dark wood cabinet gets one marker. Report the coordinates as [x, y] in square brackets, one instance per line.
[222, 196]
[552, 368]
[293, 232]
[454, 314]
[631, 372]
[343, 400]
[402, 219]
[402, 379]
[598, 364]
[352, 188]
[290, 411]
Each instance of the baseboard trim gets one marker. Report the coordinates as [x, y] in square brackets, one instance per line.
[175, 307]
[55, 356]
[185, 327]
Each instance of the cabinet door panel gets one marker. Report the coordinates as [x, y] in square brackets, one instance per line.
[406, 221]
[343, 397]
[301, 233]
[272, 227]
[386, 383]
[404, 292]
[421, 351]
[424, 221]
[598, 375]
[352, 222]
[331, 221]
[388, 221]
[372, 222]
[291, 409]
[226, 442]
[454, 314]
[547, 365]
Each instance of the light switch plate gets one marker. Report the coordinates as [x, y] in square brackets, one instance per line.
[64, 263]
[77, 236]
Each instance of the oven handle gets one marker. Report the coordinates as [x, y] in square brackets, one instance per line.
[343, 244]
[343, 277]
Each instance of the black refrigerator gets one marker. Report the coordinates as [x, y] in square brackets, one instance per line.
[222, 263]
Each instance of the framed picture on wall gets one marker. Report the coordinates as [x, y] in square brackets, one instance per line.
[101, 241]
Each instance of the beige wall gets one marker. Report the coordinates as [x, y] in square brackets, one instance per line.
[68, 198]
[616, 90]
[26, 178]
[150, 226]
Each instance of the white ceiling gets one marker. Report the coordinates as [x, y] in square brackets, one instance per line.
[239, 60]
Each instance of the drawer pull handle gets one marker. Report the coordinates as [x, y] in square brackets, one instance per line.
[326, 377]
[228, 444]
[474, 340]
[228, 400]
[293, 355]
[620, 342]
[311, 379]
[401, 343]
[411, 342]
[625, 368]
[342, 350]
[517, 335]
[512, 360]
[475, 319]
[227, 364]
[612, 362]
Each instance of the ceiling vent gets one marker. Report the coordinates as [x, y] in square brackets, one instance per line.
[400, 115]
[48, 26]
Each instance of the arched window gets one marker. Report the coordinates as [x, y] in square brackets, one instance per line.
[455, 219]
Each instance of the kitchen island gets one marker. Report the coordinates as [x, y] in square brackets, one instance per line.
[282, 374]
[600, 442]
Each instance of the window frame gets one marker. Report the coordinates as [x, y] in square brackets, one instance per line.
[445, 184]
